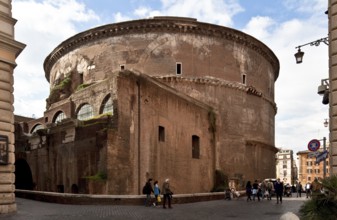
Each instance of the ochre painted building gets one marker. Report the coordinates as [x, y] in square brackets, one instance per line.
[166, 97]
[308, 169]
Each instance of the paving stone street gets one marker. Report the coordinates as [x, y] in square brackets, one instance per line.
[219, 209]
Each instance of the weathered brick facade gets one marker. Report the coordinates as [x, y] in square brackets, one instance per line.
[188, 98]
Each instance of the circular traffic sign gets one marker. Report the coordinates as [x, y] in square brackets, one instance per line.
[314, 145]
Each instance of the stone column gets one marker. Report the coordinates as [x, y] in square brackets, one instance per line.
[9, 50]
[332, 7]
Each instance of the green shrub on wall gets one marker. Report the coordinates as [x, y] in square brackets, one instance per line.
[100, 176]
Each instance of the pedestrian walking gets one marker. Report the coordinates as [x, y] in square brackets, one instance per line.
[156, 191]
[263, 187]
[298, 189]
[249, 191]
[278, 190]
[167, 194]
[256, 190]
[270, 189]
[147, 189]
[308, 190]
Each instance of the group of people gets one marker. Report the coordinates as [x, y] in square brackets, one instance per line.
[264, 189]
[309, 188]
[165, 191]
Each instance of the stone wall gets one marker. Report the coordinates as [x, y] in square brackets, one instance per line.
[9, 50]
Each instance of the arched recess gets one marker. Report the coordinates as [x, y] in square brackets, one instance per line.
[59, 116]
[85, 112]
[106, 106]
[36, 127]
[23, 175]
[74, 188]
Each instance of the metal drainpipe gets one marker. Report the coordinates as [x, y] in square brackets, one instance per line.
[139, 163]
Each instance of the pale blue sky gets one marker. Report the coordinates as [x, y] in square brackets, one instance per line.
[280, 24]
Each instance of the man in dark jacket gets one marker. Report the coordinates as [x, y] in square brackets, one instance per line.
[148, 190]
[278, 190]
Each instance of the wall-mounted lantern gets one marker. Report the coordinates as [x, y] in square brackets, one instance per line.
[4, 150]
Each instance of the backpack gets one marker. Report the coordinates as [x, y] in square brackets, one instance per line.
[144, 189]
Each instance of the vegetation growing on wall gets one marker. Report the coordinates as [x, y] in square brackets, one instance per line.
[82, 86]
[62, 87]
[100, 176]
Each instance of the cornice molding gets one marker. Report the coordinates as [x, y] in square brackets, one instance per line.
[218, 82]
[160, 24]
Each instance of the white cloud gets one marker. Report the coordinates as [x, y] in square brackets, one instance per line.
[258, 27]
[45, 25]
[212, 11]
[118, 17]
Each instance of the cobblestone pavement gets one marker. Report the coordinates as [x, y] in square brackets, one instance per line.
[220, 209]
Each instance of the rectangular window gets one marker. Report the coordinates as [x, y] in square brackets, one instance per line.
[244, 79]
[285, 166]
[179, 68]
[161, 134]
[81, 78]
[122, 67]
[195, 147]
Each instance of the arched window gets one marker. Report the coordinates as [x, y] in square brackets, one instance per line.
[59, 116]
[36, 127]
[106, 105]
[85, 112]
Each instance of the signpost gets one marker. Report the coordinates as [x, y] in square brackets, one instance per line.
[314, 145]
[322, 156]
[313, 154]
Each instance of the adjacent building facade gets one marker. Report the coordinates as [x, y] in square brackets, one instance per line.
[166, 97]
[286, 166]
[9, 50]
[309, 169]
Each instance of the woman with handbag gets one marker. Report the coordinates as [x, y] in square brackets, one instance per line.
[156, 190]
[167, 194]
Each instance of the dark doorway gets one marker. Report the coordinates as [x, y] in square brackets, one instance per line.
[74, 188]
[23, 175]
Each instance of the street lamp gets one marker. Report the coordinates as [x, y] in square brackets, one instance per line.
[299, 54]
[326, 123]
[323, 90]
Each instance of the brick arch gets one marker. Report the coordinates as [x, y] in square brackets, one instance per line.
[81, 106]
[104, 102]
[35, 127]
[57, 114]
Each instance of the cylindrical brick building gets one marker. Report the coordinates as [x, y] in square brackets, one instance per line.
[190, 100]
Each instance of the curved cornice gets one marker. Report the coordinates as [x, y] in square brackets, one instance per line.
[160, 24]
[219, 82]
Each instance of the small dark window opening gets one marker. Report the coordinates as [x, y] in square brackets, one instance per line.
[81, 78]
[46, 119]
[122, 67]
[60, 188]
[195, 147]
[179, 68]
[161, 134]
[244, 79]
